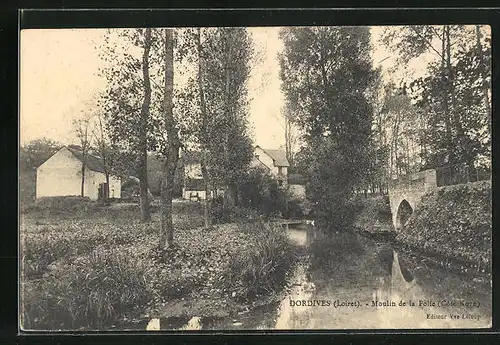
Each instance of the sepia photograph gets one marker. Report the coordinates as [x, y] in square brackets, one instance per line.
[255, 178]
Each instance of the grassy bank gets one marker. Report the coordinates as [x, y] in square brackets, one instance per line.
[96, 267]
[452, 227]
[455, 223]
[447, 242]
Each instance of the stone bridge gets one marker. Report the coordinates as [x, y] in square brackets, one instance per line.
[405, 195]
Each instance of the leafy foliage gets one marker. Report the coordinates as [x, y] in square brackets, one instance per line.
[218, 120]
[35, 152]
[452, 99]
[262, 267]
[91, 292]
[326, 73]
[463, 215]
[260, 191]
[94, 272]
[469, 136]
[373, 214]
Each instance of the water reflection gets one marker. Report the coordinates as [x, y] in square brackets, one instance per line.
[301, 235]
[291, 314]
[380, 304]
[376, 278]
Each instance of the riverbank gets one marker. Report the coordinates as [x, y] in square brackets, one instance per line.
[452, 227]
[103, 270]
[455, 222]
[446, 243]
[339, 269]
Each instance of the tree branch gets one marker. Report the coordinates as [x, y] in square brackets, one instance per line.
[427, 41]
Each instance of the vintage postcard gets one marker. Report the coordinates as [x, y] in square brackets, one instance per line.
[255, 178]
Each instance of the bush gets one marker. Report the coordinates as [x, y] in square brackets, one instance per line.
[258, 190]
[372, 214]
[62, 205]
[188, 208]
[95, 291]
[454, 223]
[333, 172]
[220, 214]
[42, 248]
[295, 209]
[260, 268]
[225, 214]
[173, 283]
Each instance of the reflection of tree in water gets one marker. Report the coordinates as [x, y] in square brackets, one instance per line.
[352, 258]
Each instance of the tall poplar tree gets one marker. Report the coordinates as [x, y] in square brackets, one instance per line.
[326, 73]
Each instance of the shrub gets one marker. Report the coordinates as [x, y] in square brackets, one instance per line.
[261, 267]
[454, 223]
[173, 283]
[187, 208]
[373, 213]
[95, 291]
[295, 209]
[40, 249]
[62, 205]
[220, 214]
[333, 172]
[258, 190]
[225, 214]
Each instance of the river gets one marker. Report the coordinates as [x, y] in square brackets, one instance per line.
[353, 282]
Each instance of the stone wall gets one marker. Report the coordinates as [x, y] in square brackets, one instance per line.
[410, 188]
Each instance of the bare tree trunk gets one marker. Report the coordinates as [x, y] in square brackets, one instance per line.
[204, 136]
[446, 89]
[143, 144]
[486, 99]
[105, 162]
[289, 138]
[208, 196]
[82, 188]
[172, 150]
[106, 196]
[83, 133]
[228, 195]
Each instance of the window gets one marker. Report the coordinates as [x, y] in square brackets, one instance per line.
[280, 170]
[280, 183]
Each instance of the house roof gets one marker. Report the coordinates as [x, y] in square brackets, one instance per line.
[258, 163]
[278, 156]
[90, 161]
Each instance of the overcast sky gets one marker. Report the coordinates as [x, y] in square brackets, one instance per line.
[59, 74]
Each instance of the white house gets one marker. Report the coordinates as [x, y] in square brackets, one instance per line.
[61, 175]
[273, 160]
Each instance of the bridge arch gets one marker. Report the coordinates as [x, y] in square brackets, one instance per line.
[405, 195]
[403, 214]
